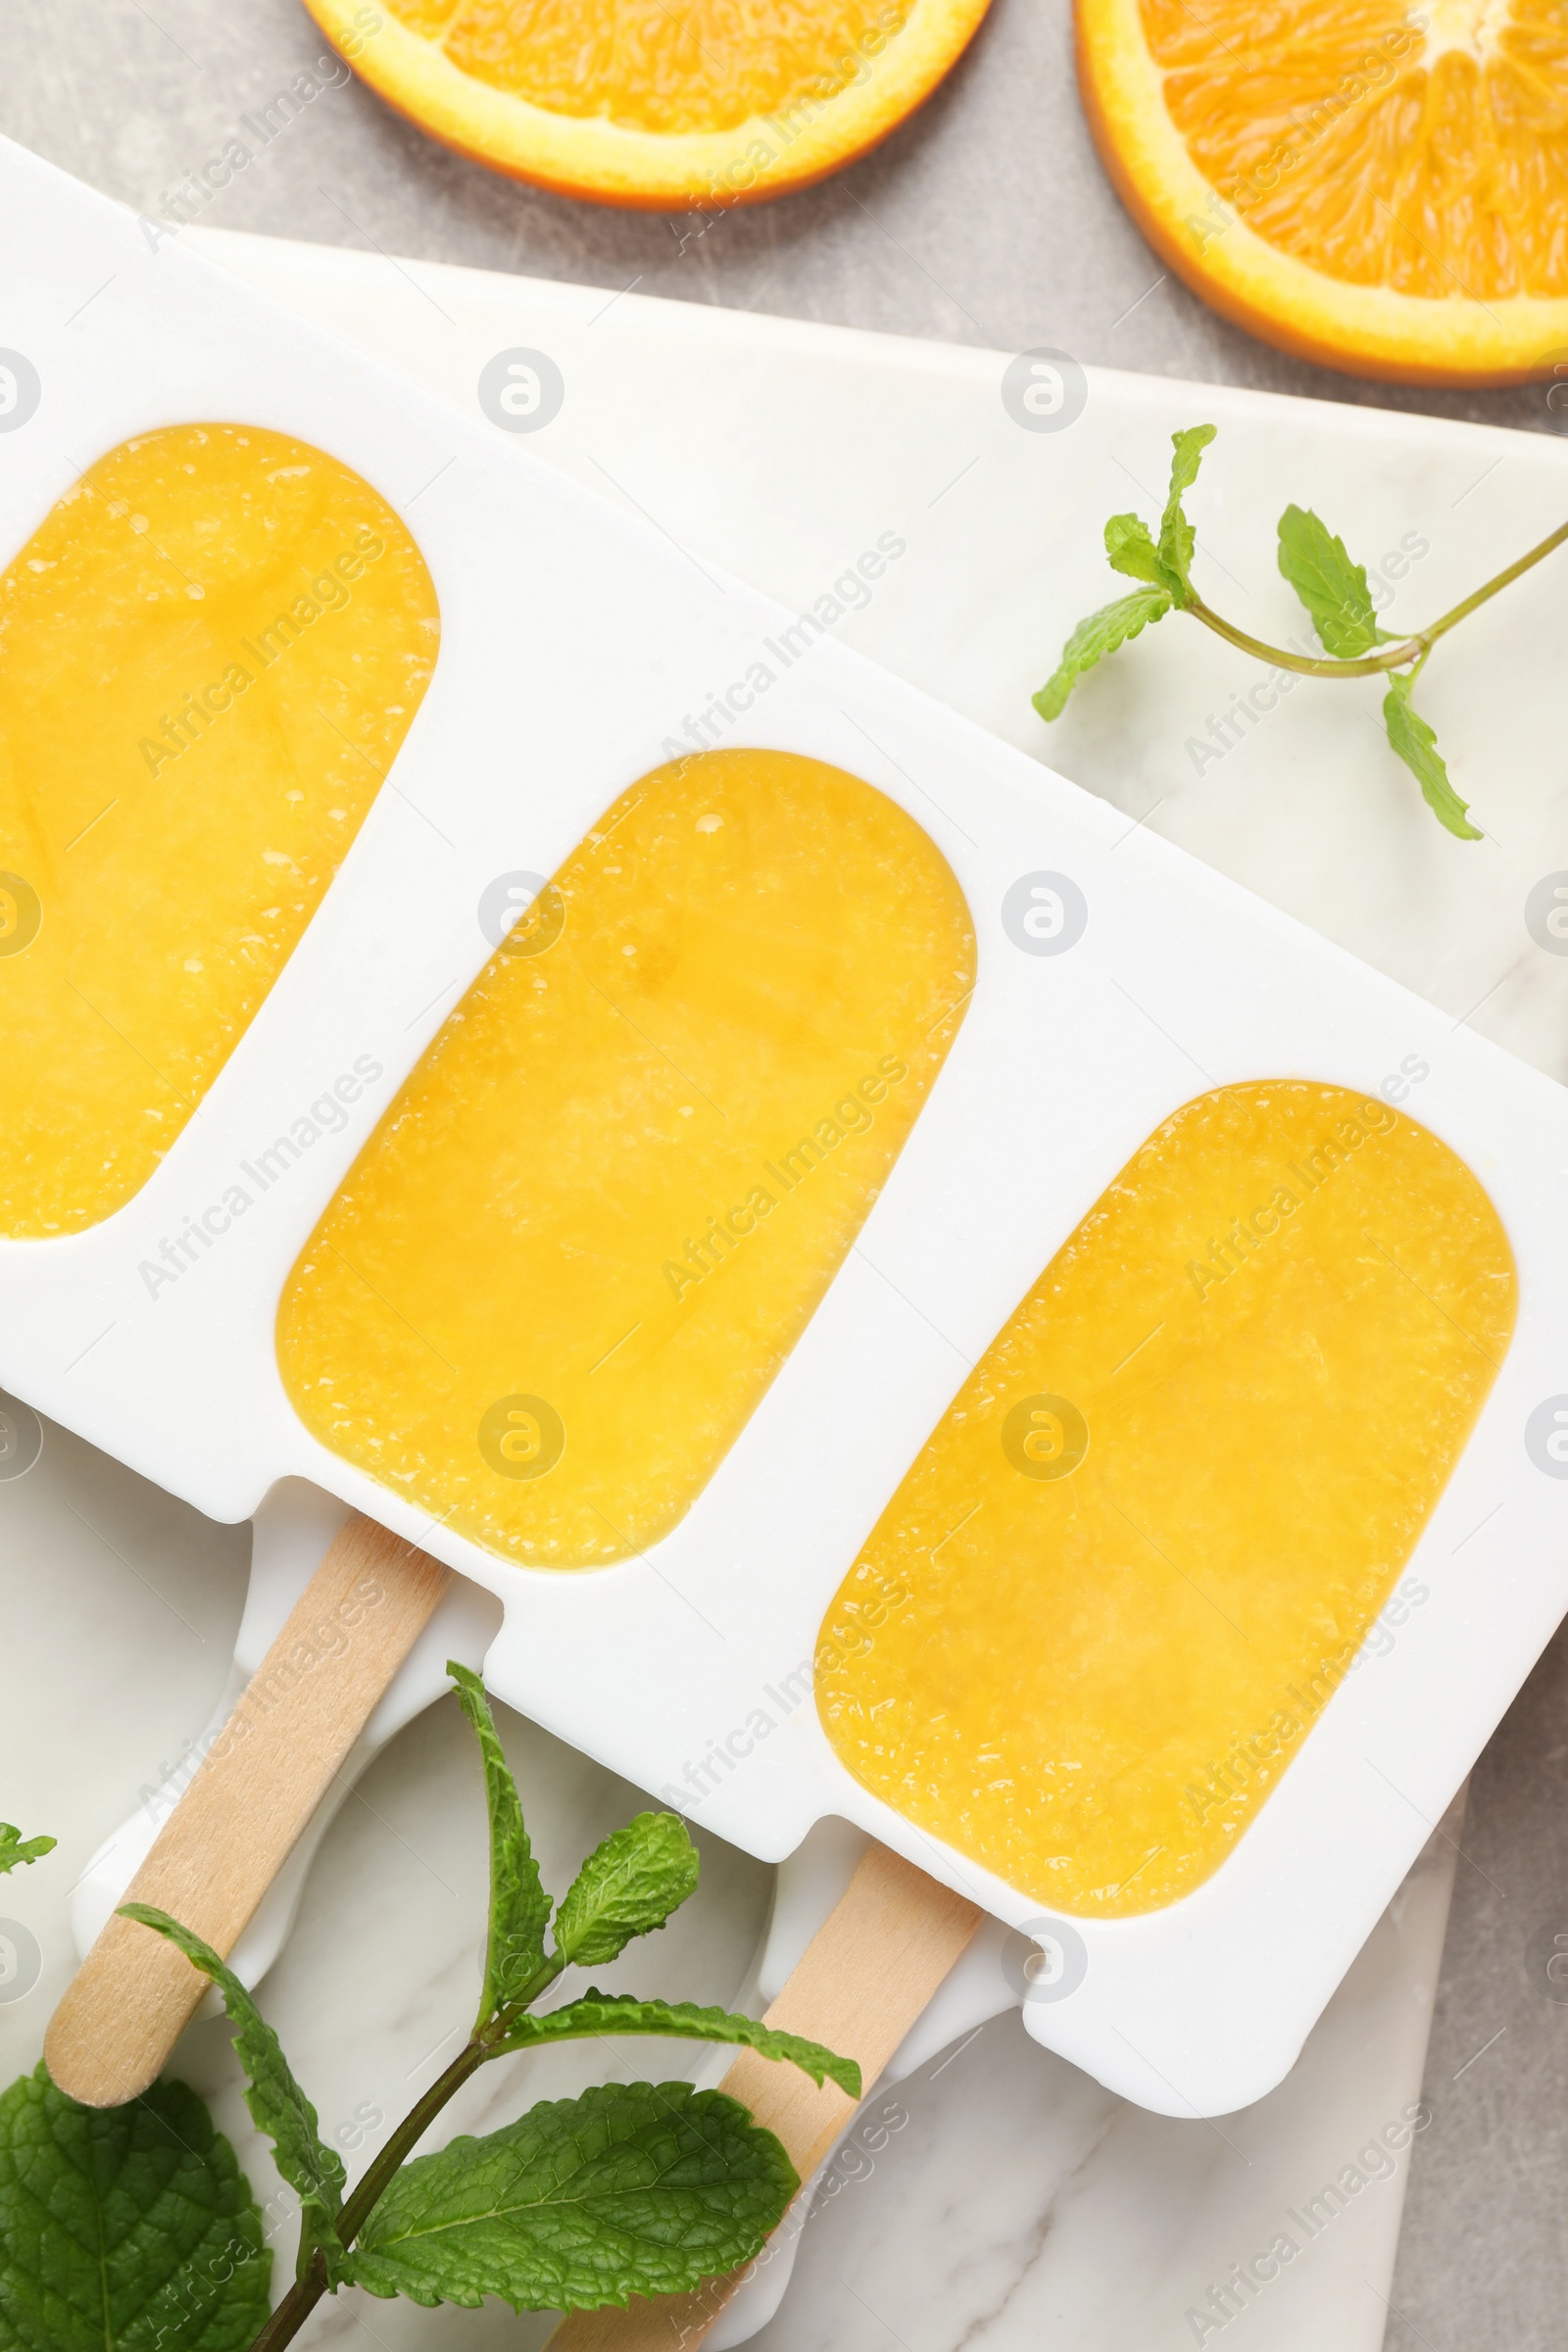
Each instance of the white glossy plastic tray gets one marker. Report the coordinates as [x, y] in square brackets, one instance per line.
[574, 641]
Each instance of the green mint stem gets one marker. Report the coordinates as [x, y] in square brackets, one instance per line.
[294, 2310]
[304, 2296]
[1364, 666]
[405, 2138]
[1387, 657]
[1441, 628]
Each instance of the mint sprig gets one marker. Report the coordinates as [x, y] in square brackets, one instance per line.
[1332, 587]
[1163, 568]
[634, 2188]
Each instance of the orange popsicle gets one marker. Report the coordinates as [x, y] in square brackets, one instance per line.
[561, 1276]
[1143, 1544]
[210, 651]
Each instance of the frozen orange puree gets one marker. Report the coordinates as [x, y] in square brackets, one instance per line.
[1147, 1538]
[561, 1274]
[209, 650]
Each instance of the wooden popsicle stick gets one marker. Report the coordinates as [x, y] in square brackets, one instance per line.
[256, 1789]
[864, 1980]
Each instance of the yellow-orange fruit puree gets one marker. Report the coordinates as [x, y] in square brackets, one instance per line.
[560, 1277]
[210, 651]
[1143, 1544]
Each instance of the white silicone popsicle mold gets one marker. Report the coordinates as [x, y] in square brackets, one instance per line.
[575, 641]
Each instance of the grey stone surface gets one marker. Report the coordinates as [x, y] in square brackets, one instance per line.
[987, 221]
[1484, 2253]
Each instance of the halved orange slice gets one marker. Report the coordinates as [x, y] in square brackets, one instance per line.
[1378, 187]
[662, 104]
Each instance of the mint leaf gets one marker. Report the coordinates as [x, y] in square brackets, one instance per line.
[1093, 639]
[1130, 549]
[632, 2189]
[124, 2229]
[275, 2100]
[13, 1853]
[599, 2013]
[1333, 589]
[519, 1908]
[628, 1887]
[1418, 747]
[1177, 538]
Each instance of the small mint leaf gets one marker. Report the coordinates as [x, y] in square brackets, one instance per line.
[598, 2013]
[629, 1887]
[124, 2229]
[12, 1853]
[277, 2105]
[1417, 746]
[1130, 549]
[519, 1908]
[1177, 537]
[634, 2188]
[1093, 639]
[1333, 589]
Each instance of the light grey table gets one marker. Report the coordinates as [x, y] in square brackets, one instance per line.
[985, 221]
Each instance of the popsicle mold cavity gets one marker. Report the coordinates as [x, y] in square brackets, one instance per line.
[561, 1274]
[1147, 1537]
[210, 651]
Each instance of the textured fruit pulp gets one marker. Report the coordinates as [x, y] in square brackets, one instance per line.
[1433, 161]
[1276, 1328]
[699, 68]
[210, 651]
[629, 1166]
